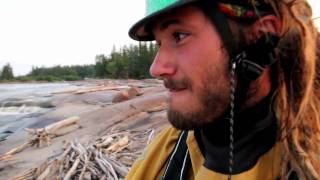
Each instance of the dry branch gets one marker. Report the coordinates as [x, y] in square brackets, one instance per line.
[29, 174]
[44, 174]
[72, 169]
[40, 170]
[150, 137]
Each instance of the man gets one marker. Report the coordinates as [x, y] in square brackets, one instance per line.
[243, 90]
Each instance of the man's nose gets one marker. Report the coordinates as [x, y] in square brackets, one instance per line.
[162, 65]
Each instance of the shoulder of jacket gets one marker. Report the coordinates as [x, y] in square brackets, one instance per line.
[166, 138]
[168, 133]
[152, 162]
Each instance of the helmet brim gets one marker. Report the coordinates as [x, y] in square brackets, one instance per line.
[142, 30]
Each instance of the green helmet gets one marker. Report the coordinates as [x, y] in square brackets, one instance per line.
[154, 8]
[141, 31]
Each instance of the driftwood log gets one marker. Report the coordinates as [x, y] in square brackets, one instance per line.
[100, 88]
[41, 135]
[92, 89]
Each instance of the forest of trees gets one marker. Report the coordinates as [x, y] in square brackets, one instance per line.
[58, 73]
[6, 73]
[127, 62]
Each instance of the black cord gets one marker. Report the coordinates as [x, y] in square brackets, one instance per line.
[232, 100]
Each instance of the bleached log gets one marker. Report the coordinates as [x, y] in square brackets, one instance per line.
[5, 157]
[121, 148]
[66, 91]
[103, 88]
[43, 134]
[15, 150]
[66, 130]
[105, 142]
[121, 143]
[52, 128]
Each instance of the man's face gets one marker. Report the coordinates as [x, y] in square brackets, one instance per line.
[194, 65]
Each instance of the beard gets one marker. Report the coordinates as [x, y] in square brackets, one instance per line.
[213, 103]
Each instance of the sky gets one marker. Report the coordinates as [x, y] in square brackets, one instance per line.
[67, 32]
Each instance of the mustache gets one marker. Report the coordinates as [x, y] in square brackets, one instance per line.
[184, 83]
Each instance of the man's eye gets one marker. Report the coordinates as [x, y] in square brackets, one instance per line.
[179, 36]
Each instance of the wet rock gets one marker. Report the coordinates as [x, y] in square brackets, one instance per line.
[121, 96]
[42, 103]
[134, 91]
[4, 135]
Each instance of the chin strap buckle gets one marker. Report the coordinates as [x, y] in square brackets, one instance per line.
[251, 70]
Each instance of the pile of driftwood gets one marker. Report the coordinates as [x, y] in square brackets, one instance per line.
[44, 135]
[108, 157]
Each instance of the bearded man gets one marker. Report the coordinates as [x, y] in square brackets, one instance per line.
[243, 86]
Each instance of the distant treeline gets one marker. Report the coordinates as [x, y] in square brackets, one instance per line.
[128, 62]
[58, 73]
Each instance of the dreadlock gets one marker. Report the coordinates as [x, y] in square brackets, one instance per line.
[297, 102]
[296, 78]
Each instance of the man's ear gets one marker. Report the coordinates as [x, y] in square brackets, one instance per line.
[266, 24]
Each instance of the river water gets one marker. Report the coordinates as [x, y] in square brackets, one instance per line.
[21, 104]
[30, 90]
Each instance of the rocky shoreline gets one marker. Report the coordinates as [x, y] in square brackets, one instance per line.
[103, 106]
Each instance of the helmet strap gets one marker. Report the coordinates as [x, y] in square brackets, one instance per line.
[246, 65]
[251, 63]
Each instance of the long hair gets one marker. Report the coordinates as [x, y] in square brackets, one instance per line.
[297, 102]
[296, 78]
